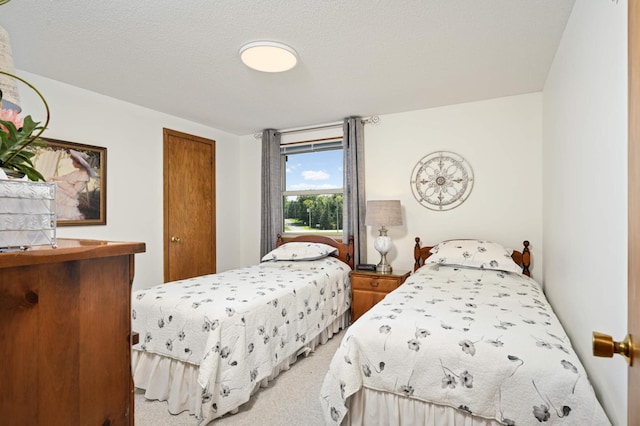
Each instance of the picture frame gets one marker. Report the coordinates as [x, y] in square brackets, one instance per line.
[80, 174]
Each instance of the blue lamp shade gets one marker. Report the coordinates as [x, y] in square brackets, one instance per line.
[8, 86]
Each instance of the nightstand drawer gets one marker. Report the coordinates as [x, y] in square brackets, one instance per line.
[374, 283]
[369, 288]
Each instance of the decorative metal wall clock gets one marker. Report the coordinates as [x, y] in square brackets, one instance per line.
[442, 180]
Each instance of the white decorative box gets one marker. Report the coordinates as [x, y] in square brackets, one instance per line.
[27, 214]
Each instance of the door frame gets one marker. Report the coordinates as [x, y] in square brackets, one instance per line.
[633, 298]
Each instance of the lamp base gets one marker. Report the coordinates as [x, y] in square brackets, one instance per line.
[383, 245]
[383, 269]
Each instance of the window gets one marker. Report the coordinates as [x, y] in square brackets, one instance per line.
[313, 186]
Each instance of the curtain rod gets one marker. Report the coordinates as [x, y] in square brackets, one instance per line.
[374, 119]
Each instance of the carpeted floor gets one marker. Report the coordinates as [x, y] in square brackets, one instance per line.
[293, 398]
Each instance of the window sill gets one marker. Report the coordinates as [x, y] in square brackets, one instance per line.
[290, 235]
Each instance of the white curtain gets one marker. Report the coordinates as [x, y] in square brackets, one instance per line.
[354, 196]
[271, 206]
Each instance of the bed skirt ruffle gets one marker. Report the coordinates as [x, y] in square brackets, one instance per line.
[176, 382]
[371, 407]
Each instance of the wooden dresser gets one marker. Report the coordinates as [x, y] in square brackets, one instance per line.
[371, 287]
[65, 334]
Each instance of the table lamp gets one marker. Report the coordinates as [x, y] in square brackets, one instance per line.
[383, 213]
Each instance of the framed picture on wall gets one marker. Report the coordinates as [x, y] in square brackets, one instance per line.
[80, 174]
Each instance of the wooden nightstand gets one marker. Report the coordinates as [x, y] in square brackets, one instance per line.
[368, 288]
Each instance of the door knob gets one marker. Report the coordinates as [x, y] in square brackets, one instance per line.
[175, 239]
[604, 346]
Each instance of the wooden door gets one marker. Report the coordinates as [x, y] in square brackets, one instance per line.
[189, 206]
[634, 211]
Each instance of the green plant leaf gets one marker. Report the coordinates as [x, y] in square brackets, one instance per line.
[16, 147]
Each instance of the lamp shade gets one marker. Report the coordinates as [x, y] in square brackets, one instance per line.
[8, 85]
[383, 213]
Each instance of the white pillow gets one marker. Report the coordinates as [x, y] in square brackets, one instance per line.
[300, 251]
[474, 254]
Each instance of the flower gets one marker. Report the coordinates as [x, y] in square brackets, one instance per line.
[467, 379]
[541, 413]
[12, 116]
[467, 347]
[449, 381]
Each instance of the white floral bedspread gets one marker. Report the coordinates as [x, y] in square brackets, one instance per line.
[485, 342]
[237, 325]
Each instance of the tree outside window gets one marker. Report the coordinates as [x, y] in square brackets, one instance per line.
[313, 187]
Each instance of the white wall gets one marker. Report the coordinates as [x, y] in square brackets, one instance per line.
[133, 138]
[585, 187]
[500, 138]
[250, 198]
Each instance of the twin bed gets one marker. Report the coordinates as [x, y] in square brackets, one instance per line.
[468, 339]
[207, 343]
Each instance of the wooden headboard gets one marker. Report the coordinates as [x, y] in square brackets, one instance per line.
[345, 251]
[420, 254]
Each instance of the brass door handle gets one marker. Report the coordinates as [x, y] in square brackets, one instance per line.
[604, 346]
[175, 239]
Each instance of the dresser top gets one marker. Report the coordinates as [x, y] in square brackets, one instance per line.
[68, 250]
[393, 274]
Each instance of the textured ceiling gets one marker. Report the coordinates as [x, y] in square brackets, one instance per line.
[356, 57]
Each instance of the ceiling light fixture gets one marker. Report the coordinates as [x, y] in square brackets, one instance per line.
[268, 56]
